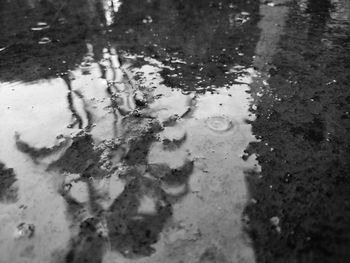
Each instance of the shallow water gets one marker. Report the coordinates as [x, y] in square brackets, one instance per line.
[135, 168]
[208, 130]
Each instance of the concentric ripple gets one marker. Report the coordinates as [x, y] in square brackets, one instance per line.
[219, 124]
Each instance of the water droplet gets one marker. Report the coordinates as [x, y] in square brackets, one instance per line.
[40, 26]
[44, 41]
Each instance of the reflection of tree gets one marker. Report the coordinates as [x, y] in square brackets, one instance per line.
[203, 34]
[122, 227]
[119, 87]
[195, 32]
[78, 120]
[188, 35]
[133, 233]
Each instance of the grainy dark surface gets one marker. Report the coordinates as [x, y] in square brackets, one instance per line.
[303, 124]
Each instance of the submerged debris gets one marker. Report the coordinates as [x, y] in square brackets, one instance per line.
[24, 230]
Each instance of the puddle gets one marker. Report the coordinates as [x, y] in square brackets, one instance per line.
[59, 161]
[138, 148]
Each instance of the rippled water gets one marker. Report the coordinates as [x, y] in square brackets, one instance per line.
[219, 124]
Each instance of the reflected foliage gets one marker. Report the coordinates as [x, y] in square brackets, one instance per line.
[124, 226]
[200, 39]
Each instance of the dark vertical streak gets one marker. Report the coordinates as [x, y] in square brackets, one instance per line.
[71, 104]
[110, 95]
[87, 112]
[74, 112]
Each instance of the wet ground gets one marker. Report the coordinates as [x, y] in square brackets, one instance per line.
[174, 131]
